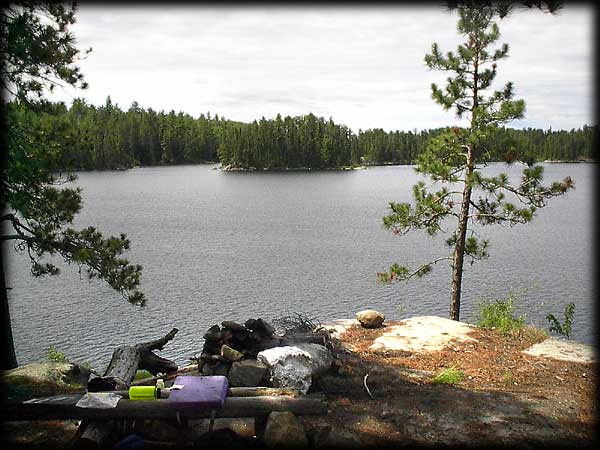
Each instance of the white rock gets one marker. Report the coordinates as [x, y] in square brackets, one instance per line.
[423, 333]
[294, 366]
[563, 350]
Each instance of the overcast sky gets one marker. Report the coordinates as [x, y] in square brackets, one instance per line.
[361, 66]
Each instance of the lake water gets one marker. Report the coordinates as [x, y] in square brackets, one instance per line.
[230, 246]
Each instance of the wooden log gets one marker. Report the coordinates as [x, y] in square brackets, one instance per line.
[124, 364]
[127, 359]
[259, 391]
[262, 391]
[309, 338]
[63, 408]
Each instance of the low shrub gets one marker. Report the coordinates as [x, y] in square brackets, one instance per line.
[499, 314]
[563, 329]
[55, 355]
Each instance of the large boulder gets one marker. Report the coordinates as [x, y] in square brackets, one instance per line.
[42, 379]
[230, 354]
[284, 430]
[294, 366]
[247, 373]
[370, 318]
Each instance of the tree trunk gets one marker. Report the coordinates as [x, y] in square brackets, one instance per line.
[7, 346]
[459, 247]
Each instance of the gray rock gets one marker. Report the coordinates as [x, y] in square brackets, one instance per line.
[284, 430]
[230, 354]
[246, 373]
[370, 318]
[213, 334]
[220, 368]
[63, 375]
[206, 370]
[234, 326]
[42, 379]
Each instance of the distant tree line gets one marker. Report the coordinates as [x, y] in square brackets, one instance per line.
[107, 137]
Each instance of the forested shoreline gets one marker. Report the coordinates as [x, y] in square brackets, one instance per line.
[108, 137]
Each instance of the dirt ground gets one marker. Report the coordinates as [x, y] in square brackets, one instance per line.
[506, 398]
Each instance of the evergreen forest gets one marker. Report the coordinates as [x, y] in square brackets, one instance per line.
[108, 137]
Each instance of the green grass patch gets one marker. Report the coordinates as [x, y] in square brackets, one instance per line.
[499, 314]
[449, 375]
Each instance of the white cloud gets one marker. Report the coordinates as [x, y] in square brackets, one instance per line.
[362, 66]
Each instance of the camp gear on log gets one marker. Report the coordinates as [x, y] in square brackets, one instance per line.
[199, 393]
[142, 393]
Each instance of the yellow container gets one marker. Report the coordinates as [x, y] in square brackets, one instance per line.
[142, 393]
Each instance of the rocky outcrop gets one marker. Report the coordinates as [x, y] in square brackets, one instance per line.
[40, 379]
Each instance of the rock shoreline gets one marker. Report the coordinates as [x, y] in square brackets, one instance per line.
[539, 399]
[427, 333]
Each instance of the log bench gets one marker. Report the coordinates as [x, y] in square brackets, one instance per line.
[256, 403]
[63, 407]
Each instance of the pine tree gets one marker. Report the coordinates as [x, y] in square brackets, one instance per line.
[451, 158]
[36, 209]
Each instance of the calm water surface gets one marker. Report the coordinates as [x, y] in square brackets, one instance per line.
[229, 246]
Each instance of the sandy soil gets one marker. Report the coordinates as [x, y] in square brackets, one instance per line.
[506, 398]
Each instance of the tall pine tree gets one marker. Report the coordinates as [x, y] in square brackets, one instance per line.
[451, 159]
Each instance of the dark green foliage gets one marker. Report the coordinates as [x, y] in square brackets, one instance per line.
[106, 137]
[305, 141]
[39, 53]
[563, 329]
[37, 49]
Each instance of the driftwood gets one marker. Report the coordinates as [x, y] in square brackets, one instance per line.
[127, 360]
[63, 408]
[124, 364]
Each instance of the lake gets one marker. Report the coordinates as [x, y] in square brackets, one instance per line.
[231, 246]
